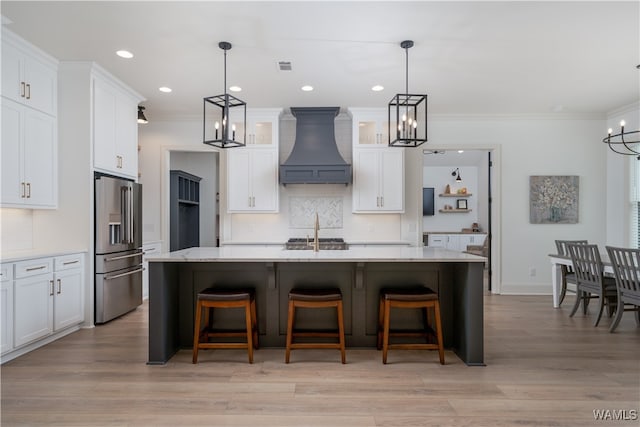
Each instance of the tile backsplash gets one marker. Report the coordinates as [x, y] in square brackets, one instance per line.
[302, 212]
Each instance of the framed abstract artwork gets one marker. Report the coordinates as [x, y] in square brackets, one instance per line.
[553, 199]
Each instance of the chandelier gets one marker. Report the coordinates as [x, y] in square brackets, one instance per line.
[623, 143]
[222, 113]
[407, 113]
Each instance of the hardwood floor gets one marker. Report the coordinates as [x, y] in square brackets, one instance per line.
[543, 369]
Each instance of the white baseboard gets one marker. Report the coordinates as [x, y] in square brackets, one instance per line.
[526, 289]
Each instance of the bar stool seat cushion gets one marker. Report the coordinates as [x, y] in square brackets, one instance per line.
[417, 293]
[315, 295]
[217, 294]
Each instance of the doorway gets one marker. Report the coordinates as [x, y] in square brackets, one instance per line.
[473, 172]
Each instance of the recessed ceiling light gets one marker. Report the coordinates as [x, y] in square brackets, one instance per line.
[307, 88]
[235, 88]
[124, 54]
[377, 88]
[460, 151]
[164, 89]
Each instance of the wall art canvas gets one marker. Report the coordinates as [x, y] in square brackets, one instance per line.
[553, 199]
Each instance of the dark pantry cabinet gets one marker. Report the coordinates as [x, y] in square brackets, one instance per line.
[184, 210]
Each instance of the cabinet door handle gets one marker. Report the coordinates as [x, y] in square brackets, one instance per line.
[70, 262]
[59, 286]
[51, 291]
[23, 192]
[28, 91]
[28, 190]
[22, 89]
[382, 201]
[40, 267]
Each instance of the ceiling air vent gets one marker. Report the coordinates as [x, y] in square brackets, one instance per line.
[284, 65]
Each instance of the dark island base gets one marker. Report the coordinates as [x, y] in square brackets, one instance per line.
[173, 287]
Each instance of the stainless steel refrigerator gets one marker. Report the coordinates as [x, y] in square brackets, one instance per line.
[118, 247]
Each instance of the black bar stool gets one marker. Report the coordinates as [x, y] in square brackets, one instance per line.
[211, 298]
[315, 298]
[410, 297]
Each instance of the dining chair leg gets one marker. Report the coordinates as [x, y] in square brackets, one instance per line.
[563, 291]
[600, 309]
[618, 316]
[577, 303]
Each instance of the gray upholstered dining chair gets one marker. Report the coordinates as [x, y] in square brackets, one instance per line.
[626, 267]
[590, 278]
[568, 275]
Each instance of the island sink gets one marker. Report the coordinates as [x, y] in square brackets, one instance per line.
[324, 244]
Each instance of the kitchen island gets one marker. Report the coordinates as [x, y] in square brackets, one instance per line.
[175, 279]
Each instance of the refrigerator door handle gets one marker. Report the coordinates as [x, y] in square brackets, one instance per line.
[116, 258]
[131, 225]
[128, 273]
[124, 214]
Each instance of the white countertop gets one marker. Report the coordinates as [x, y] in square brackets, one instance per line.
[26, 254]
[278, 254]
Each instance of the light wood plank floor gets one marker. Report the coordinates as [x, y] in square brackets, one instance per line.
[543, 369]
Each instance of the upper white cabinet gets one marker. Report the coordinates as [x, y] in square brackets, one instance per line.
[29, 157]
[261, 127]
[378, 170]
[252, 171]
[29, 76]
[29, 126]
[370, 127]
[115, 127]
[252, 180]
[378, 180]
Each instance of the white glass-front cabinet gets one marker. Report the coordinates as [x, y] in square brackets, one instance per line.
[370, 127]
[29, 171]
[262, 126]
[378, 180]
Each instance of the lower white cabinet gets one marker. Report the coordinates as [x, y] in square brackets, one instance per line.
[6, 308]
[455, 242]
[44, 297]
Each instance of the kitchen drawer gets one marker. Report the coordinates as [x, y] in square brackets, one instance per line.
[6, 272]
[67, 262]
[33, 267]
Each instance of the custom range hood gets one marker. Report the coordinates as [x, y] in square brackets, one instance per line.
[315, 158]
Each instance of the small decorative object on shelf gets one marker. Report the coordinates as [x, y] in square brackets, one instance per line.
[475, 227]
[461, 204]
[447, 189]
[462, 190]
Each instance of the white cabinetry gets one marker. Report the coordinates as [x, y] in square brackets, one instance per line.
[262, 127]
[29, 76]
[115, 128]
[378, 180]
[455, 242]
[252, 171]
[33, 296]
[370, 127]
[378, 170]
[6, 308]
[252, 180]
[43, 301]
[29, 126]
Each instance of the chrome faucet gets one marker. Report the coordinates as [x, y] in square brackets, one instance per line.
[316, 242]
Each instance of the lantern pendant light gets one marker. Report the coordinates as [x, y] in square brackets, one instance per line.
[222, 113]
[407, 113]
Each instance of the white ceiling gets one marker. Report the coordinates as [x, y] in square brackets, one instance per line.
[470, 57]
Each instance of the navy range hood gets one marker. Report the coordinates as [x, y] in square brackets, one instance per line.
[315, 158]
